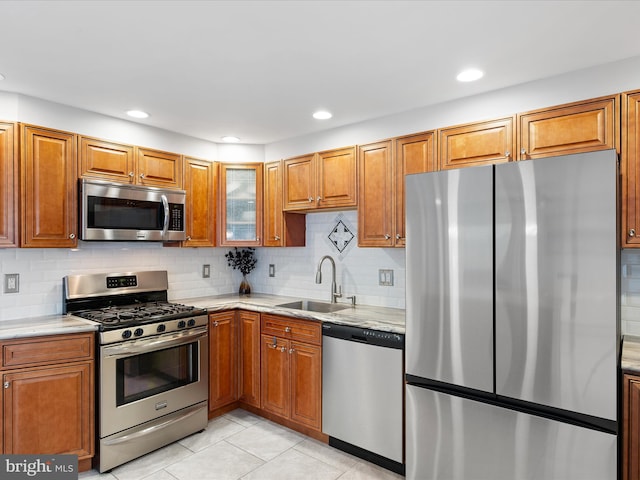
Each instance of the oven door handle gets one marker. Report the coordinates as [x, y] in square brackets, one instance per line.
[146, 431]
[127, 349]
[165, 204]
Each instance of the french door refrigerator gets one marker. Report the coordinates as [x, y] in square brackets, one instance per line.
[512, 335]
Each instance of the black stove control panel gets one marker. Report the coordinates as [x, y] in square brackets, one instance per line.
[122, 281]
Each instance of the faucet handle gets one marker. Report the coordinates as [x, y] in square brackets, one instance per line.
[353, 299]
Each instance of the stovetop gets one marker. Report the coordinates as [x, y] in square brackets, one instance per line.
[121, 316]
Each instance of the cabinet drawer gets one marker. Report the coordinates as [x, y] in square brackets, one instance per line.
[46, 350]
[307, 331]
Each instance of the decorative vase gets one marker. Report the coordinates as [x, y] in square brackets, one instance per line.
[245, 288]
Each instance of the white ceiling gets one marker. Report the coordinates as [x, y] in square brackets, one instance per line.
[258, 69]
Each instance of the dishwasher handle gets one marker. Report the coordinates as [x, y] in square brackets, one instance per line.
[364, 335]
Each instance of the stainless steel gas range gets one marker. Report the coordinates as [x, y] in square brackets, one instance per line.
[152, 384]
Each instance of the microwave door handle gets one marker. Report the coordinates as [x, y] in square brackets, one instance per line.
[165, 204]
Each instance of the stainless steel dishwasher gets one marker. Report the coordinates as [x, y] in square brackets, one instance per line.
[363, 394]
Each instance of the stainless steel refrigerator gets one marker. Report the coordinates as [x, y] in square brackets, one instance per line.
[512, 335]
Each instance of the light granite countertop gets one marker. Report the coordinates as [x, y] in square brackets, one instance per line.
[630, 360]
[377, 318]
[44, 325]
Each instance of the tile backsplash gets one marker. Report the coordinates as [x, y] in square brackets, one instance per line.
[630, 291]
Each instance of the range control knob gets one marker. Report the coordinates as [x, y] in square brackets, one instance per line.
[138, 331]
[161, 328]
[191, 323]
[126, 334]
[181, 324]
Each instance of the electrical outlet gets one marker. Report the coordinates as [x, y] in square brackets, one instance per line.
[385, 277]
[272, 270]
[11, 282]
[206, 271]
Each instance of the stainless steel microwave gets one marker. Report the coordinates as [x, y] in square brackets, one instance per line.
[121, 212]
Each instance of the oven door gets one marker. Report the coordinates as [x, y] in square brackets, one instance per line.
[141, 380]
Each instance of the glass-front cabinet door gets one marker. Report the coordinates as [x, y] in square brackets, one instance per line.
[240, 204]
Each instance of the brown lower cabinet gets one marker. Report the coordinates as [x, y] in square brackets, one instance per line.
[291, 369]
[48, 396]
[631, 427]
[223, 361]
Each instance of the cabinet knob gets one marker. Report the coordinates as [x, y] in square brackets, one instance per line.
[215, 324]
[507, 154]
[188, 237]
[6, 384]
[287, 329]
[387, 236]
[131, 174]
[311, 199]
[142, 175]
[277, 237]
[632, 232]
[319, 198]
[283, 349]
[398, 236]
[523, 151]
[72, 236]
[291, 350]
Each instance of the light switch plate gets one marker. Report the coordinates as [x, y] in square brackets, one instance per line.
[11, 282]
[272, 270]
[206, 271]
[385, 277]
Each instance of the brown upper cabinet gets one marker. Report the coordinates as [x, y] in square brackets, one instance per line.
[629, 169]
[479, 143]
[281, 229]
[200, 179]
[571, 128]
[106, 160]
[8, 184]
[127, 164]
[324, 180]
[382, 167]
[48, 188]
[240, 204]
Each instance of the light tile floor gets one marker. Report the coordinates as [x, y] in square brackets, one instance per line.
[240, 445]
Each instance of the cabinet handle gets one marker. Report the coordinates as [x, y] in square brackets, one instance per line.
[387, 236]
[142, 175]
[632, 232]
[188, 237]
[507, 154]
[6, 384]
[273, 345]
[311, 199]
[131, 174]
[277, 237]
[523, 151]
[319, 198]
[215, 324]
[291, 350]
[287, 329]
[72, 236]
[283, 349]
[398, 236]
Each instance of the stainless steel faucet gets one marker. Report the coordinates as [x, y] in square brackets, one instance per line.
[336, 292]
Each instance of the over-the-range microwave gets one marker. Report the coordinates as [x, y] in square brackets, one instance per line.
[122, 212]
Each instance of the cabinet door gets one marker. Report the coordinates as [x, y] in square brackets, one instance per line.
[200, 178]
[106, 160]
[480, 143]
[49, 410]
[274, 375]
[375, 195]
[630, 170]
[631, 428]
[240, 205]
[337, 185]
[306, 384]
[573, 128]
[48, 188]
[8, 185]
[249, 323]
[158, 169]
[299, 183]
[223, 364]
[281, 229]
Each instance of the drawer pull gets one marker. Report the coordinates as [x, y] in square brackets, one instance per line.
[287, 329]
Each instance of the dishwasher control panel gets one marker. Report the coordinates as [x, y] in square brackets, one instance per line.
[364, 335]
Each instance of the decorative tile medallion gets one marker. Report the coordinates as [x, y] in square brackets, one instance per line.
[341, 235]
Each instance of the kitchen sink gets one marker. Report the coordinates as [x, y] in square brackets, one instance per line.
[313, 306]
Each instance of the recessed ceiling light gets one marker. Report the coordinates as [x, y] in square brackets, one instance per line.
[230, 139]
[1, 76]
[322, 115]
[137, 114]
[470, 75]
